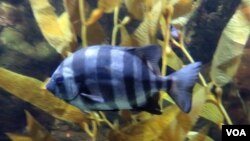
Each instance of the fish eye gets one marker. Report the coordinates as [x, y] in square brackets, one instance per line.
[59, 80]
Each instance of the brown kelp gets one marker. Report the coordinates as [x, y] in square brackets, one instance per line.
[230, 47]
[154, 17]
[56, 30]
[16, 84]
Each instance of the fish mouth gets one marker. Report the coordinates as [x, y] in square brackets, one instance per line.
[51, 86]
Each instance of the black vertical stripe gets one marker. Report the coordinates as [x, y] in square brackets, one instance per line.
[168, 84]
[60, 90]
[129, 82]
[78, 65]
[158, 83]
[146, 81]
[104, 76]
[79, 70]
[62, 83]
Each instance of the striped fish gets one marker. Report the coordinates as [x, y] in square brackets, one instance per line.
[103, 77]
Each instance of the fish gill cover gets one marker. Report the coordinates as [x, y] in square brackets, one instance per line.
[133, 23]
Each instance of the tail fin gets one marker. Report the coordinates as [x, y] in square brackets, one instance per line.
[182, 83]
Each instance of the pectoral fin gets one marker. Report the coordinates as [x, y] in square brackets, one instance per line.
[95, 98]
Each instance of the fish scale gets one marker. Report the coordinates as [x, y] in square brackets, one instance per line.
[140, 95]
[129, 78]
[92, 56]
[118, 80]
[103, 77]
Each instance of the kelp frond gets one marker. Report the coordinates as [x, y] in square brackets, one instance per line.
[29, 89]
[35, 131]
[18, 137]
[56, 30]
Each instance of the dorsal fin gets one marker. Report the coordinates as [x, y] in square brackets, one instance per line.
[151, 54]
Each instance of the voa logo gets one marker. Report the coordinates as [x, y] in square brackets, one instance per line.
[236, 132]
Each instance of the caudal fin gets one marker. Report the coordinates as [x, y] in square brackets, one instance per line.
[182, 82]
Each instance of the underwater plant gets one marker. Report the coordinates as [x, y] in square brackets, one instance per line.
[134, 23]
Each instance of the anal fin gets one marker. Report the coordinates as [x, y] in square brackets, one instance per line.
[152, 106]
